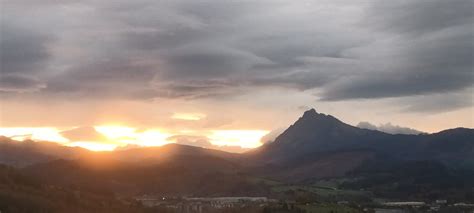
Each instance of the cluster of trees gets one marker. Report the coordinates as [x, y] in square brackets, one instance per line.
[171, 178]
[418, 180]
[20, 193]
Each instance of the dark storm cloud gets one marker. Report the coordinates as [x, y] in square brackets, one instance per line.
[19, 83]
[22, 50]
[430, 65]
[313, 72]
[419, 17]
[439, 102]
[237, 44]
[429, 50]
[209, 62]
[194, 89]
[200, 49]
[116, 78]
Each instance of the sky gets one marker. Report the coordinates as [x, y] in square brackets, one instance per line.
[223, 74]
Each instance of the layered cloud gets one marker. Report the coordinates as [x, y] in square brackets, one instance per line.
[422, 48]
[389, 128]
[334, 50]
[19, 83]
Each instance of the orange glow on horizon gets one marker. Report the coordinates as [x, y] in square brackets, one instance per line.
[243, 138]
[128, 135]
[117, 136]
[188, 116]
[93, 146]
[116, 132]
[34, 133]
[153, 138]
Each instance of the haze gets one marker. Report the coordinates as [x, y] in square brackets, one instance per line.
[224, 74]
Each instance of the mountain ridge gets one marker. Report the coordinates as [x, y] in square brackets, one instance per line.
[316, 140]
[315, 146]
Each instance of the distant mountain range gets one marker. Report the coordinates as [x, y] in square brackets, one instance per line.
[316, 147]
[320, 146]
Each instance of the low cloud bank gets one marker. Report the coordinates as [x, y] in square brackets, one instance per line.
[389, 128]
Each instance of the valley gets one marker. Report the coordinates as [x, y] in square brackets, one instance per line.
[317, 164]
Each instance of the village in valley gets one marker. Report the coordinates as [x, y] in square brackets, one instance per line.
[264, 204]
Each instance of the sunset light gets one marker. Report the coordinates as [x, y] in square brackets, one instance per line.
[188, 116]
[33, 133]
[236, 106]
[129, 135]
[93, 146]
[116, 136]
[120, 133]
[152, 138]
[243, 138]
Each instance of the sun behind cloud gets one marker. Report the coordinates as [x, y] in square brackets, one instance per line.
[116, 132]
[128, 135]
[115, 136]
[153, 138]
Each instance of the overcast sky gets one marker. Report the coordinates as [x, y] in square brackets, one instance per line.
[238, 64]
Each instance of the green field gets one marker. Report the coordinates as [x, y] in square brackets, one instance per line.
[328, 208]
[319, 190]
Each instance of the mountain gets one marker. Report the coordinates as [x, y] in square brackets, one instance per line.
[168, 152]
[314, 133]
[172, 169]
[28, 152]
[317, 147]
[321, 146]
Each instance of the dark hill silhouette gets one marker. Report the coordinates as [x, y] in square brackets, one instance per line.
[319, 145]
[316, 146]
[184, 175]
[312, 133]
[169, 151]
[20, 192]
[24, 153]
